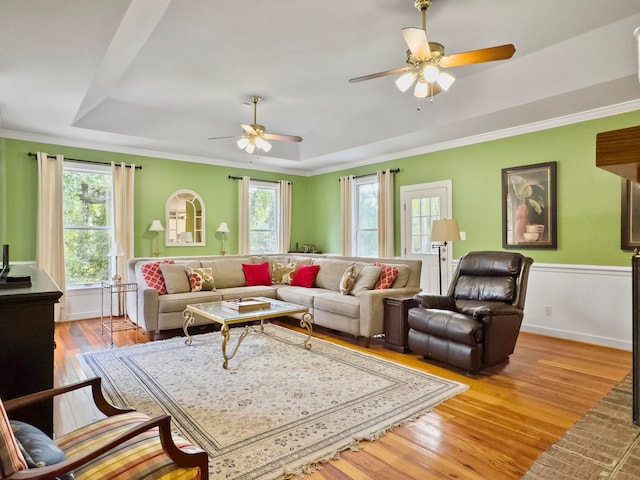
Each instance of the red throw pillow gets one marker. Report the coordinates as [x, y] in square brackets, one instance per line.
[256, 274]
[387, 276]
[305, 275]
[153, 275]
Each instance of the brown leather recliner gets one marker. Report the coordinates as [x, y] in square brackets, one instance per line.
[477, 323]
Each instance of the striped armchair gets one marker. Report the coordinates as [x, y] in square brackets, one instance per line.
[124, 445]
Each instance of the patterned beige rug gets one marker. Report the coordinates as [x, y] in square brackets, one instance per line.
[279, 410]
[604, 444]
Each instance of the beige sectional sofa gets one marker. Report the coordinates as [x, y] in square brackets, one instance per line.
[359, 313]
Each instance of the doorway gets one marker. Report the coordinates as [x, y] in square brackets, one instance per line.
[421, 205]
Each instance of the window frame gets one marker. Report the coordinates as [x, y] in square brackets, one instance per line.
[275, 186]
[101, 169]
[356, 208]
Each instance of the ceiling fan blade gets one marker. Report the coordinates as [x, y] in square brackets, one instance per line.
[248, 129]
[276, 136]
[416, 40]
[220, 138]
[503, 52]
[379, 74]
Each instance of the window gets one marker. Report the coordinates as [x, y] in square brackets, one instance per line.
[424, 211]
[88, 223]
[365, 234]
[263, 217]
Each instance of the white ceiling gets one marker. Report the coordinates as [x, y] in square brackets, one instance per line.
[159, 77]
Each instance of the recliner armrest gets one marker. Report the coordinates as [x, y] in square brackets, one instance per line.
[494, 310]
[441, 302]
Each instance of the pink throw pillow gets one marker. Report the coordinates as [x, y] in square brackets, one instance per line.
[387, 276]
[256, 274]
[305, 275]
[153, 275]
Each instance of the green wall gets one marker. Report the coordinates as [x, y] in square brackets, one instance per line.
[588, 197]
[157, 180]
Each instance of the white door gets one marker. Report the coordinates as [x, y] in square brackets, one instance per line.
[421, 205]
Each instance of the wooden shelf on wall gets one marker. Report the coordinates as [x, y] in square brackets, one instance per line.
[618, 151]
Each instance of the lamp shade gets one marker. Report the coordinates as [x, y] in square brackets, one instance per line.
[223, 228]
[445, 231]
[156, 226]
[116, 250]
[186, 237]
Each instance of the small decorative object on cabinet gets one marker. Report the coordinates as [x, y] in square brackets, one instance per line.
[396, 327]
[113, 323]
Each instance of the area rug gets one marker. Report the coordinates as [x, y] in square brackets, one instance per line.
[279, 410]
[603, 444]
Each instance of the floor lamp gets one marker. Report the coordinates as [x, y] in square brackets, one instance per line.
[223, 228]
[443, 231]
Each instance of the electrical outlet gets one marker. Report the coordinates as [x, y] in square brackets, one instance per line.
[463, 235]
[547, 311]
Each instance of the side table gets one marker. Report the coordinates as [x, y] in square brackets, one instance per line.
[122, 322]
[396, 327]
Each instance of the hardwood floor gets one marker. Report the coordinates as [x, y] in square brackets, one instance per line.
[495, 430]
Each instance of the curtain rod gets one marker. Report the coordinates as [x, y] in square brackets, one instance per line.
[231, 177]
[393, 170]
[138, 167]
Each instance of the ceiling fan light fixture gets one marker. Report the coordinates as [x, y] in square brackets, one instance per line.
[262, 144]
[405, 81]
[250, 148]
[242, 143]
[430, 73]
[445, 80]
[422, 89]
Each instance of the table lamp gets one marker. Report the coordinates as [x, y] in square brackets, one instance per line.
[116, 251]
[157, 227]
[443, 231]
[223, 228]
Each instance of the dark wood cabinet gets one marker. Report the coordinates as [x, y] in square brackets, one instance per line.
[396, 327]
[27, 344]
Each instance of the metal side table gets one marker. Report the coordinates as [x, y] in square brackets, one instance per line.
[123, 322]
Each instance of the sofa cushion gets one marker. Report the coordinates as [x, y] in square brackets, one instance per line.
[201, 279]
[175, 278]
[254, 291]
[227, 271]
[348, 279]
[335, 302]
[282, 273]
[305, 275]
[179, 301]
[366, 279]
[256, 274]
[152, 275]
[330, 273]
[300, 295]
[403, 276]
[387, 276]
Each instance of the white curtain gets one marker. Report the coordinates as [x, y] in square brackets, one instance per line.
[385, 214]
[123, 185]
[347, 186]
[243, 216]
[284, 233]
[50, 237]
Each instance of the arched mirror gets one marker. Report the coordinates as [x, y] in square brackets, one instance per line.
[185, 219]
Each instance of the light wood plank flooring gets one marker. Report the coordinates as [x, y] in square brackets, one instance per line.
[495, 430]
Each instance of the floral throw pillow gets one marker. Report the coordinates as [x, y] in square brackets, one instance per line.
[153, 275]
[201, 279]
[387, 276]
[348, 279]
[282, 273]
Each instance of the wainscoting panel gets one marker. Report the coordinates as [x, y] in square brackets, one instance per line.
[586, 303]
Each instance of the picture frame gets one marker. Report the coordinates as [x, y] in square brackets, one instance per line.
[529, 210]
[630, 215]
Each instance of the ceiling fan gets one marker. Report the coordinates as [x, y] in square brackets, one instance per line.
[426, 60]
[255, 135]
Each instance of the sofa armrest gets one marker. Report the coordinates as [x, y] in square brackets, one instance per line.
[148, 308]
[440, 302]
[372, 308]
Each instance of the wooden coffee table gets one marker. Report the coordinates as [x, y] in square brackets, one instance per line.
[226, 317]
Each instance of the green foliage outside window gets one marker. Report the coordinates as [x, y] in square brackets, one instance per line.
[87, 226]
